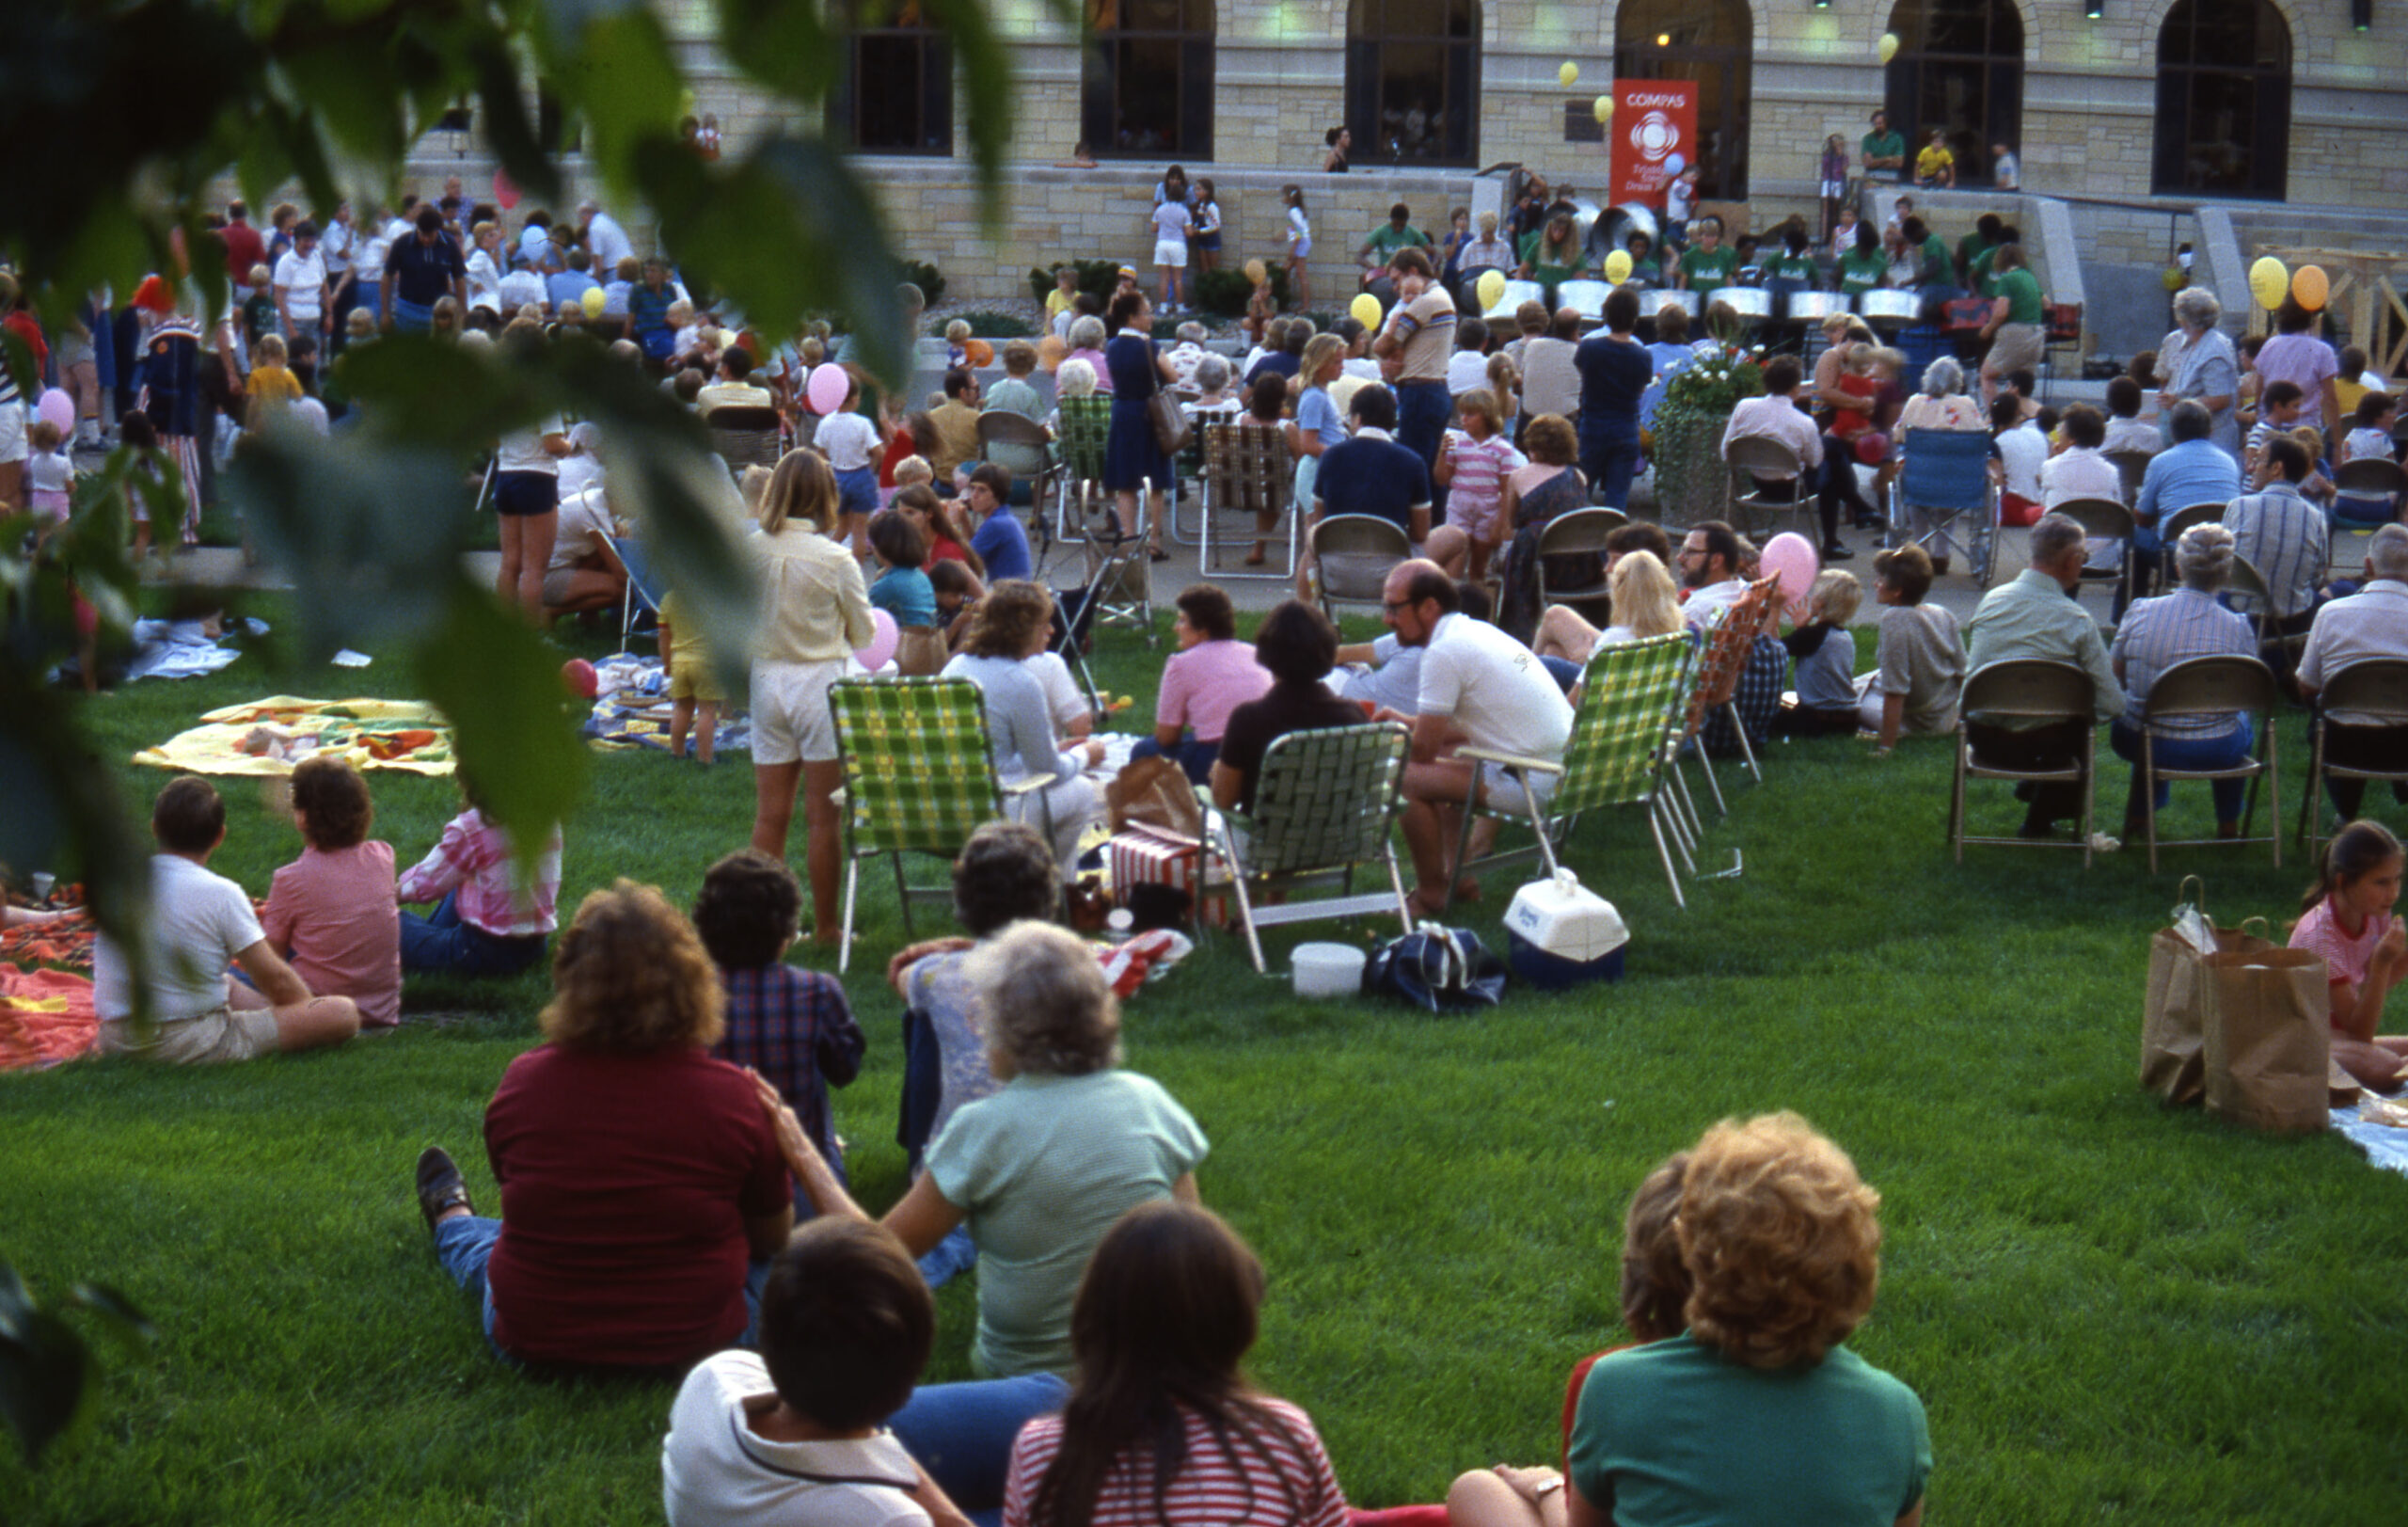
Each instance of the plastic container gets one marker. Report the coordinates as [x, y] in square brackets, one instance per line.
[1560, 933]
[1547, 972]
[1328, 970]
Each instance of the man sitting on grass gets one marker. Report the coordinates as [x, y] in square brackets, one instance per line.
[196, 922]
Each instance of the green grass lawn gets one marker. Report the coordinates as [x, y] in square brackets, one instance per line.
[2111, 1312]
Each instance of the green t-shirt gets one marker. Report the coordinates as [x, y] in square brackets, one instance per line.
[1793, 267]
[1040, 1170]
[1674, 1432]
[1886, 146]
[1970, 248]
[1979, 275]
[2022, 290]
[1709, 268]
[1936, 271]
[1862, 270]
[1387, 239]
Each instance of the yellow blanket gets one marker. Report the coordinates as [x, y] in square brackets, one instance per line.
[267, 738]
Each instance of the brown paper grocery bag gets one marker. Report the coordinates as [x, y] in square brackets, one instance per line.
[2173, 1020]
[2269, 1038]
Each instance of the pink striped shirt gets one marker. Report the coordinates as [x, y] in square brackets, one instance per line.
[474, 858]
[1288, 1483]
[1477, 494]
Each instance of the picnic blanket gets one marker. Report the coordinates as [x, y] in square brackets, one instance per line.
[2385, 1145]
[632, 705]
[267, 738]
[179, 649]
[67, 941]
[46, 1016]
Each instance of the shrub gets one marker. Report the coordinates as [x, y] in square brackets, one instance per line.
[1691, 482]
[1224, 291]
[925, 276]
[1097, 277]
[987, 324]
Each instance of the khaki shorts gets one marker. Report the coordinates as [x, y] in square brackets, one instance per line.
[2017, 347]
[1504, 792]
[219, 1035]
[790, 717]
[692, 682]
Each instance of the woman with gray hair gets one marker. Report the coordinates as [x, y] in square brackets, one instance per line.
[1941, 404]
[1040, 1169]
[2206, 369]
[2157, 634]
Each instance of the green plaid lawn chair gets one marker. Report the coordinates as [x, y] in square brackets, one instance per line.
[919, 778]
[1323, 804]
[1621, 748]
[1079, 445]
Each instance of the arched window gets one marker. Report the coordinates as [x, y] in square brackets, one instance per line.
[1714, 44]
[1148, 87]
[1413, 81]
[1959, 68]
[898, 95]
[2224, 100]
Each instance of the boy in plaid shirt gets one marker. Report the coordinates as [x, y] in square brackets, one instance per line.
[792, 1026]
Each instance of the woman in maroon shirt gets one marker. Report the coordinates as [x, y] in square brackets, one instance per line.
[640, 1179]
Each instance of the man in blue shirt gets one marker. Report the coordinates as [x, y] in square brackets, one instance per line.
[420, 270]
[1000, 540]
[2193, 469]
[570, 285]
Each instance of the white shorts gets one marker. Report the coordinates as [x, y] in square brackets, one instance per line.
[1301, 248]
[1170, 252]
[791, 719]
[222, 1034]
[1502, 792]
[12, 433]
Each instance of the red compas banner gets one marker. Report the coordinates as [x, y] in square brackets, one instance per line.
[1653, 133]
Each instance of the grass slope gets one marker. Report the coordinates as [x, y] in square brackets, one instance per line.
[2112, 1314]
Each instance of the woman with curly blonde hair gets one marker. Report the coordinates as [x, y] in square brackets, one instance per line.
[638, 1179]
[1758, 1413]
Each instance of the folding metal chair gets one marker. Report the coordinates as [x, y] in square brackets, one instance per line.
[2170, 528]
[2366, 479]
[2037, 690]
[644, 591]
[2372, 692]
[919, 778]
[1247, 473]
[1947, 474]
[2218, 686]
[2247, 589]
[2103, 519]
[1352, 555]
[1620, 749]
[1021, 446]
[1755, 462]
[1323, 806]
[1567, 537]
[2133, 466]
[745, 436]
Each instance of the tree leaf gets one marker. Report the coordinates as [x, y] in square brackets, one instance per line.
[511, 135]
[623, 78]
[45, 1372]
[499, 683]
[783, 43]
[127, 1326]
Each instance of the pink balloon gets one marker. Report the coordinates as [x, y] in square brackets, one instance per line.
[881, 647]
[830, 385]
[1792, 556]
[59, 409]
[504, 191]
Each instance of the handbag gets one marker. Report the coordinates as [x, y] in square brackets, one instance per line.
[1437, 969]
[1171, 429]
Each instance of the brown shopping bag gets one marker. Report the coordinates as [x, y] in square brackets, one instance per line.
[2268, 1043]
[2173, 1018]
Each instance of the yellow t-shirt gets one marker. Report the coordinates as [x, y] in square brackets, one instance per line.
[1931, 161]
[1057, 302]
[271, 383]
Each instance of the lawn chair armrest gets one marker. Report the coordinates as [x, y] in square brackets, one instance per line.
[1512, 760]
[1028, 783]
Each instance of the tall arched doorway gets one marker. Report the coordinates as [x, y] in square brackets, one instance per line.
[1413, 81]
[1959, 68]
[1712, 43]
[2224, 100]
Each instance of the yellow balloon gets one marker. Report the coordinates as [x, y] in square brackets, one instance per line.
[1604, 108]
[2268, 280]
[1618, 266]
[1366, 309]
[1492, 288]
[592, 302]
[1568, 74]
[1254, 271]
[2309, 287]
[1887, 47]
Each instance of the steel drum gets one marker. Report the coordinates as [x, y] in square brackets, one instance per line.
[1747, 301]
[1682, 297]
[1515, 294]
[1887, 306]
[1587, 298]
[1814, 307]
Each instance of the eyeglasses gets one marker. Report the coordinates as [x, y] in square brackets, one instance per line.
[1690, 552]
[1393, 606]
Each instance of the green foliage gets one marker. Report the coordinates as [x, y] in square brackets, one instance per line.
[1224, 293]
[930, 280]
[48, 1372]
[1096, 278]
[986, 325]
[1691, 482]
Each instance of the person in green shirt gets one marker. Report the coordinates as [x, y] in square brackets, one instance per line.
[1557, 256]
[1864, 266]
[1791, 263]
[1980, 275]
[1985, 236]
[1932, 265]
[1885, 153]
[1397, 232]
[2018, 327]
[1706, 264]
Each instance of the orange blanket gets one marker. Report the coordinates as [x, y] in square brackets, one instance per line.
[46, 1016]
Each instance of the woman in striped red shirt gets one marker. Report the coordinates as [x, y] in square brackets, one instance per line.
[1161, 1430]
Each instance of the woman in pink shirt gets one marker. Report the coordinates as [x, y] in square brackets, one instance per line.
[1211, 675]
[332, 912]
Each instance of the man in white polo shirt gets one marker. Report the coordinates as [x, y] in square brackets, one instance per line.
[2370, 624]
[1480, 688]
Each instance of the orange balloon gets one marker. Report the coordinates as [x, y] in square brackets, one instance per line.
[1050, 352]
[979, 353]
[2309, 287]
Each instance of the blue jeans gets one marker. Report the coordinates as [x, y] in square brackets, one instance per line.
[1193, 756]
[412, 317]
[2185, 752]
[1422, 409]
[1609, 457]
[440, 941]
[962, 1434]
